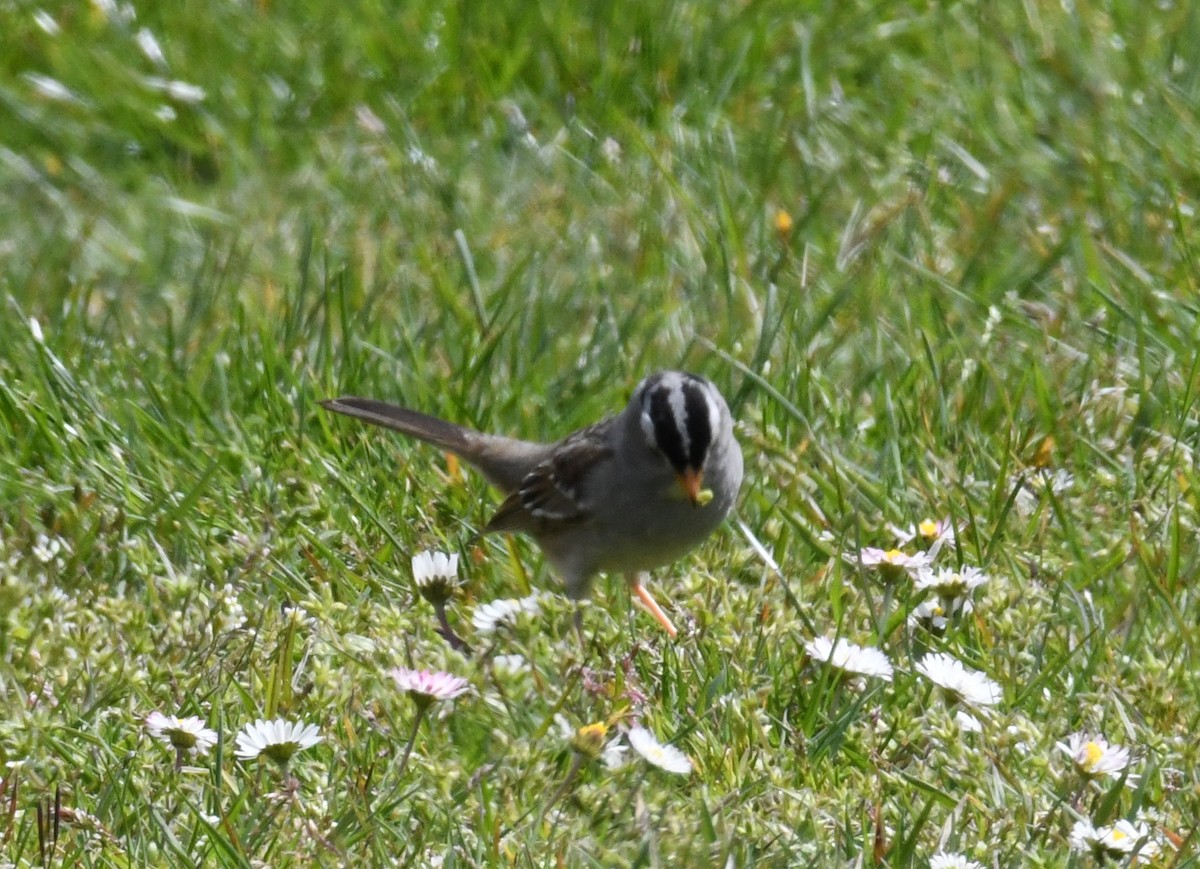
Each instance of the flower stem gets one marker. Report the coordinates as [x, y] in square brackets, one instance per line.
[411, 739]
[576, 764]
[447, 633]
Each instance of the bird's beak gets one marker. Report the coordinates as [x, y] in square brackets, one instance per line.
[690, 481]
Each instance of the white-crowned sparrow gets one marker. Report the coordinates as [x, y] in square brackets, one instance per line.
[627, 494]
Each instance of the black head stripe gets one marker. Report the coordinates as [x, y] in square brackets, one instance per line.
[668, 436]
[698, 423]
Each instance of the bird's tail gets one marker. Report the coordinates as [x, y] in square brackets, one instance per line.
[422, 426]
[503, 461]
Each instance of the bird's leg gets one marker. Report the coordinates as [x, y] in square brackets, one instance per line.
[635, 583]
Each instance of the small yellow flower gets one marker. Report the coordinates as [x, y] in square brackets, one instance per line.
[589, 740]
[783, 222]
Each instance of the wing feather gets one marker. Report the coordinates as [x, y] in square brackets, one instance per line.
[550, 495]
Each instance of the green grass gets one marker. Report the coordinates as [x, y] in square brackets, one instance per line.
[506, 214]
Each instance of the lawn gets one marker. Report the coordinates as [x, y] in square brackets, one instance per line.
[939, 257]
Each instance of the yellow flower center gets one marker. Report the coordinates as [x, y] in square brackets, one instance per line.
[589, 739]
[928, 528]
[1117, 835]
[281, 752]
[893, 555]
[954, 586]
[182, 738]
[1092, 753]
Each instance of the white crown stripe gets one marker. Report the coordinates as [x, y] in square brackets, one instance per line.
[678, 404]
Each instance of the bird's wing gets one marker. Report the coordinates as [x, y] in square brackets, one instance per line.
[550, 494]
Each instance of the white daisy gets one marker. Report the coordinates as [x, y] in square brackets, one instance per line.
[961, 683]
[436, 575]
[930, 614]
[967, 722]
[850, 657]
[929, 530]
[1043, 480]
[429, 565]
[510, 665]
[950, 594]
[1123, 831]
[490, 617]
[1033, 486]
[1118, 840]
[1094, 757]
[184, 734]
[426, 686]
[613, 756]
[666, 757]
[278, 739]
[889, 562]
[952, 861]
[948, 583]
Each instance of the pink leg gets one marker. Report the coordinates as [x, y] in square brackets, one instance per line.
[651, 604]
